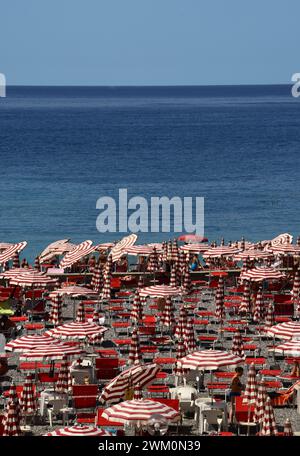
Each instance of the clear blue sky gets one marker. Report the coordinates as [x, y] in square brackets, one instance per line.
[145, 42]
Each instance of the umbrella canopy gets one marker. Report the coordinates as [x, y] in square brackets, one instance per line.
[30, 342]
[268, 422]
[80, 251]
[28, 399]
[245, 306]
[210, 360]
[142, 375]
[56, 310]
[187, 282]
[73, 290]
[219, 300]
[33, 279]
[137, 308]
[250, 393]
[153, 265]
[173, 277]
[189, 337]
[9, 253]
[260, 403]
[182, 323]
[97, 279]
[238, 345]
[64, 381]
[12, 415]
[296, 286]
[52, 352]
[168, 318]
[80, 317]
[144, 250]
[77, 331]
[270, 318]
[135, 355]
[192, 238]
[12, 273]
[286, 330]
[194, 248]
[139, 410]
[258, 312]
[222, 251]
[261, 273]
[253, 254]
[106, 290]
[53, 247]
[160, 291]
[79, 431]
[291, 348]
[181, 349]
[120, 248]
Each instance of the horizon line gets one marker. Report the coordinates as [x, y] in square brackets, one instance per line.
[149, 85]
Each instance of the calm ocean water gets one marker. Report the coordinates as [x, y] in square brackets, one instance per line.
[62, 148]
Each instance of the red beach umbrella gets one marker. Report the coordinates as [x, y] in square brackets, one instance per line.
[238, 345]
[268, 422]
[12, 415]
[56, 310]
[168, 317]
[64, 381]
[28, 399]
[135, 355]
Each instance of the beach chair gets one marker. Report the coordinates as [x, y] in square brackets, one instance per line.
[84, 402]
[107, 368]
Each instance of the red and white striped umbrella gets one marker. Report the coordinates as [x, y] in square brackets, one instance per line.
[96, 317]
[296, 286]
[135, 355]
[33, 279]
[139, 410]
[210, 360]
[222, 251]
[11, 273]
[182, 323]
[268, 422]
[153, 265]
[175, 251]
[187, 282]
[106, 290]
[173, 277]
[79, 431]
[189, 337]
[28, 399]
[52, 352]
[192, 238]
[97, 279]
[284, 238]
[137, 308]
[260, 403]
[64, 381]
[142, 375]
[253, 254]
[160, 291]
[245, 306]
[121, 247]
[286, 330]
[219, 300]
[144, 250]
[8, 253]
[56, 310]
[285, 249]
[103, 247]
[270, 318]
[80, 251]
[181, 349]
[238, 345]
[182, 261]
[261, 273]
[250, 393]
[168, 318]
[169, 250]
[73, 290]
[137, 392]
[291, 348]
[164, 255]
[12, 416]
[80, 316]
[30, 342]
[77, 331]
[195, 248]
[258, 312]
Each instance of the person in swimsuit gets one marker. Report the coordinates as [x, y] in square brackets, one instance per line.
[236, 389]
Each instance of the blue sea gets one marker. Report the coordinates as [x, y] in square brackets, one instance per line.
[61, 148]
